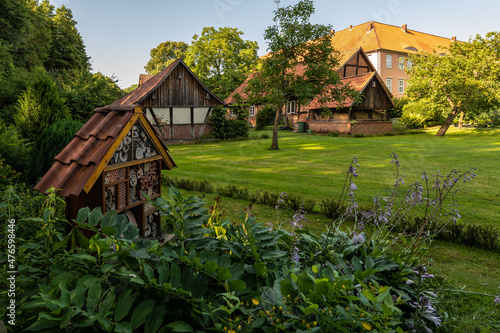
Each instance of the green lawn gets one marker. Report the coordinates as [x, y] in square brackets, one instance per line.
[315, 166]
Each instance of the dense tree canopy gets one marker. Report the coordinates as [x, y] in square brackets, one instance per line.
[221, 58]
[465, 80]
[67, 50]
[301, 63]
[164, 54]
[36, 35]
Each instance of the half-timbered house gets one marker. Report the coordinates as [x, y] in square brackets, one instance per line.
[368, 115]
[176, 102]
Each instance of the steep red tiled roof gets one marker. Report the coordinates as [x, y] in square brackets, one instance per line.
[357, 83]
[82, 157]
[343, 58]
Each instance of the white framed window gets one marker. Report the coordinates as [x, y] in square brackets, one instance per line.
[401, 62]
[409, 64]
[251, 110]
[388, 60]
[388, 83]
[401, 86]
[291, 107]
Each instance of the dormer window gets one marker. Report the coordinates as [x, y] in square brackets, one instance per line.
[411, 48]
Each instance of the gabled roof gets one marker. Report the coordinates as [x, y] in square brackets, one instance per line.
[78, 165]
[140, 93]
[343, 59]
[372, 36]
[358, 83]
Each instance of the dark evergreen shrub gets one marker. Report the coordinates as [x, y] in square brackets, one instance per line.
[40, 106]
[51, 141]
[224, 128]
[265, 117]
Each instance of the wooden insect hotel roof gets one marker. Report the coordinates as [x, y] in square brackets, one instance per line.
[114, 162]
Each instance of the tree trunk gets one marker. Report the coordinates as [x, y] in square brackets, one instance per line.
[461, 121]
[447, 122]
[274, 144]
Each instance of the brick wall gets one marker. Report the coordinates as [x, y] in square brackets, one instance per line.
[328, 127]
[184, 131]
[371, 127]
[363, 127]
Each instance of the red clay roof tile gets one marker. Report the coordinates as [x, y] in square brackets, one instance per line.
[77, 162]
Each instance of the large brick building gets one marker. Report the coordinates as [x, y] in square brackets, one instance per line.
[387, 47]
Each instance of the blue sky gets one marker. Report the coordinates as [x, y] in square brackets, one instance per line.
[119, 34]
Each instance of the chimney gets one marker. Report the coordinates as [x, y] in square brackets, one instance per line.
[405, 27]
[454, 38]
[333, 32]
[350, 27]
[369, 26]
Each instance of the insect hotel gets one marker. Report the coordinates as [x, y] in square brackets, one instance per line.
[112, 162]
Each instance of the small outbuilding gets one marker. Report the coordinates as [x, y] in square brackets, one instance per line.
[112, 162]
[177, 103]
[369, 115]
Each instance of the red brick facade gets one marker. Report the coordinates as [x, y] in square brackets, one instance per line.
[362, 127]
[181, 132]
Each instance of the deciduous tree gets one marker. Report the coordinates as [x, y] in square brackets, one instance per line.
[464, 80]
[165, 54]
[67, 51]
[301, 63]
[221, 58]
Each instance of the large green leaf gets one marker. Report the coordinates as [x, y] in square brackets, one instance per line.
[79, 294]
[155, 319]
[175, 275]
[211, 267]
[223, 273]
[108, 302]
[83, 214]
[93, 296]
[148, 271]
[237, 285]
[180, 326]
[141, 313]
[163, 271]
[95, 217]
[304, 283]
[124, 304]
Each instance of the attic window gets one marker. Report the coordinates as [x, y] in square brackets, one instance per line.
[411, 48]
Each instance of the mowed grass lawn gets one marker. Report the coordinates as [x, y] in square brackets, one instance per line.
[315, 166]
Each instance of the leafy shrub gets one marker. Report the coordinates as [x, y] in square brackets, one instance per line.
[40, 106]
[52, 140]
[265, 117]
[14, 150]
[85, 91]
[251, 279]
[399, 103]
[358, 135]
[489, 119]
[430, 111]
[334, 134]
[224, 128]
[411, 120]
